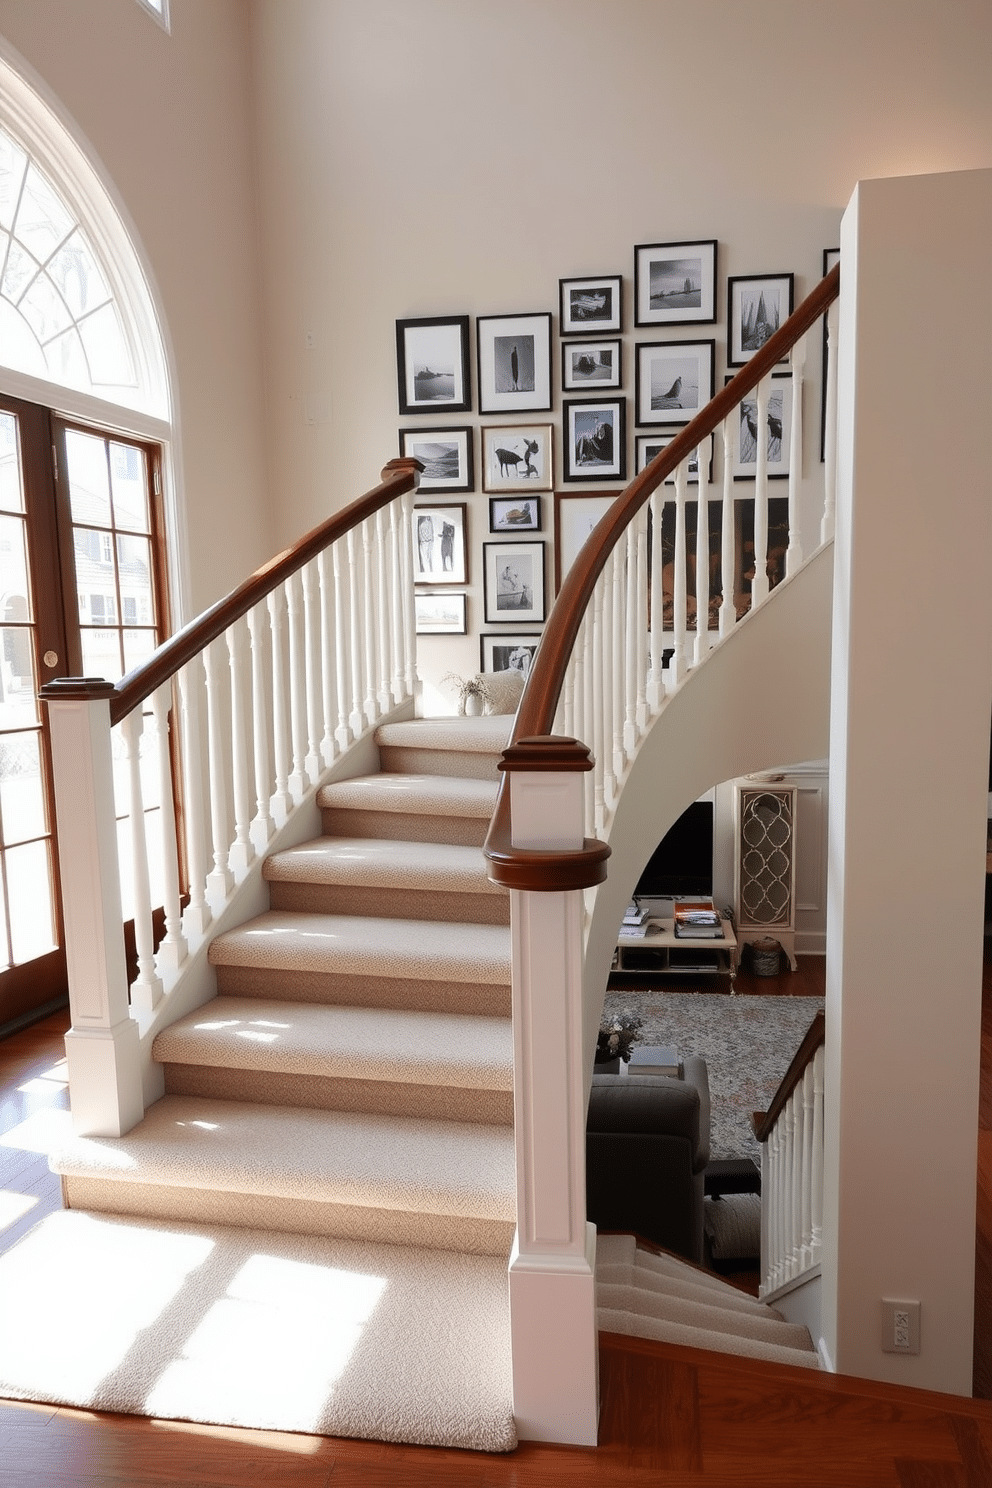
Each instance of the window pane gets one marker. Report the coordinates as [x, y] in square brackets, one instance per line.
[13, 163]
[75, 273]
[42, 222]
[13, 570]
[44, 309]
[29, 893]
[22, 796]
[134, 562]
[138, 646]
[102, 654]
[11, 492]
[89, 478]
[18, 347]
[21, 269]
[18, 692]
[106, 350]
[130, 487]
[65, 362]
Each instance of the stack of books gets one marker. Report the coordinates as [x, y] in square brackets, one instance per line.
[697, 921]
[653, 1059]
[635, 922]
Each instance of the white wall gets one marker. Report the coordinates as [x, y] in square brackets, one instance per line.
[448, 156]
[166, 119]
[908, 773]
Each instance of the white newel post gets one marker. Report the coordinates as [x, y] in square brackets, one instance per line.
[102, 1045]
[552, 1267]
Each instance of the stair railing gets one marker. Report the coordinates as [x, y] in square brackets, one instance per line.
[791, 1134]
[249, 704]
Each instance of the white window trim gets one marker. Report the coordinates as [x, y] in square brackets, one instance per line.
[159, 11]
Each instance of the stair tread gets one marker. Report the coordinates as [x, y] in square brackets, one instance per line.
[453, 1049]
[366, 1160]
[383, 863]
[356, 944]
[434, 795]
[486, 734]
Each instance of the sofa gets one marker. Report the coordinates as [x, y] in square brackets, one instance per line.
[647, 1146]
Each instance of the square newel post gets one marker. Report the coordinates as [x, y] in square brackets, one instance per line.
[542, 857]
[102, 1046]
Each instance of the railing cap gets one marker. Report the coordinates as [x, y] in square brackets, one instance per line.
[75, 689]
[546, 752]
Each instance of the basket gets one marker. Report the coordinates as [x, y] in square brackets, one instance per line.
[765, 956]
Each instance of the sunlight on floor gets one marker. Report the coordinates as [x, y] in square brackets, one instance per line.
[14, 1206]
[43, 1132]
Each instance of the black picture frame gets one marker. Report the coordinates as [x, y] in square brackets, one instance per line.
[594, 438]
[757, 305]
[590, 305]
[515, 513]
[744, 464]
[513, 582]
[675, 283]
[501, 651]
[514, 361]
[673, 380]
[446, 455]
[649, 445]
[433, 366]
[591, 366]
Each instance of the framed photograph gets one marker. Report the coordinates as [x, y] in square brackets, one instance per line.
[831, 256]
[590, 364]
[757, 304]
[440, 614]
[674, 380]
[575, 518]
[778, 432]
[675, 283]
[594, 435]
[432, 365]
[514, 362]
[446, 455]
[439, 546]
[514, 514]
[649, 445]
[513, 575]
[508, 653]
[517, 457]
[590, 305]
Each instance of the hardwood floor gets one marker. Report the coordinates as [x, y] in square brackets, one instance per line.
[669, 1415]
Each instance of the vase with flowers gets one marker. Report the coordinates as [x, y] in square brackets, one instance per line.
[616, 1037]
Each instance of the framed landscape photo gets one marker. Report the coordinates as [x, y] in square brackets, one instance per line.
[590, 305]
[590, 364]
[649, 445]
[594, 435]
[675, 283]
[517, 457]
[514, 362]
[673, 380]
[440, 614]
[513, 576]
[432, 365]
[757, 304]
[439, 545]
[446, 455]
[501, 652]
[778, 431]
[514, 514]
[575, 517]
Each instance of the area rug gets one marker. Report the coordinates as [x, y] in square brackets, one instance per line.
[747, 1042]
[250, 1328]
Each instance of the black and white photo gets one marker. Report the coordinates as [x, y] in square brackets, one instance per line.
[675, 283]
[440, 614]
[575, 518]
[446, 455]
[501, 652]
[673, 380]
[778, 431]
[757, 306]
[590, 305]
[514, 514]
[517, 457]
[432, 365]
[649, 445]
[591, 364]
[514, 581]
[439, 544]
[514, 354]
[594, 435]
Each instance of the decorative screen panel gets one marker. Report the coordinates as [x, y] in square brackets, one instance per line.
[766, 856]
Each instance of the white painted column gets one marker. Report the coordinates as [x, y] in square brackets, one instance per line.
[552, 1268]
[102, 1046]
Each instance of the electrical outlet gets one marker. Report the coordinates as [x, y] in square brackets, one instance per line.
[900, 1327]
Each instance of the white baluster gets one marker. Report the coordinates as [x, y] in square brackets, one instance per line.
[794, 552]
[728, 605]
[613, 699]
[220, 880]
[641, 620]
[702, 560]
[806, 1218]
[656, 677]
[146, 990]
[598, 705]
[796, 1182]
[632, 677]
[830, 429]
[816, 1185]
[242, 848]
[312, 670]
[343, 732]
[281, 803]
[297, 782]
[197, 915]
[759, 584]
[676, 667]
[355, 720]
[409, 617]
[383, 694]
[586, 722]
[172, 948]
[327, 652]
[262, 826]
[394, 588]
[368, 626]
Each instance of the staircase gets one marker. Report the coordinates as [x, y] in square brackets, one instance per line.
[353, 1076]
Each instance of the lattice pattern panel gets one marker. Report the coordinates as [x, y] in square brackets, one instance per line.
[766, 857]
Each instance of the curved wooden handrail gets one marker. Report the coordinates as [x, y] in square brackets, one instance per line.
[764, 1121]
[398, 477]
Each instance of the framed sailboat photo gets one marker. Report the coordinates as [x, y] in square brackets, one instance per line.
[757, 304]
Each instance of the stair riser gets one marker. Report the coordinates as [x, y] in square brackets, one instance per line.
[294, 1216]
[465, 764]
[415, 904]
[458, 831]
[359, 991]
[328, 1093]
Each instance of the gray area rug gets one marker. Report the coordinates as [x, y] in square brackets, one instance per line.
[747, 1042]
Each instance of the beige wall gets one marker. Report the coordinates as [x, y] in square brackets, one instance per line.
[167, 119]
[449, 156]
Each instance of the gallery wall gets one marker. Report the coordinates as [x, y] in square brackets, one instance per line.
[438, 157]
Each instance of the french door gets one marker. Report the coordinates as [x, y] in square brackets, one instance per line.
[82, 588]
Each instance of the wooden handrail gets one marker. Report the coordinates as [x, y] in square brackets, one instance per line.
[398, 477]
[815, 1037]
